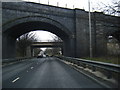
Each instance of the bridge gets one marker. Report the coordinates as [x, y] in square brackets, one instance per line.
[71, 25]
[44, 45]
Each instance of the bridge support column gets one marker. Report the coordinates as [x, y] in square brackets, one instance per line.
[28, 52]
[32, 51]
[8, 47]
[99, 44]
[69, 47]
[101, 39]
[82, 33]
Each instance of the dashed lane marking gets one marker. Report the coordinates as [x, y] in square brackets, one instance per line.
[15, 79]
[32, 67]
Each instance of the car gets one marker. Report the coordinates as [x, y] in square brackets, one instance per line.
[40, 56]
[44, 55]
[47, 55]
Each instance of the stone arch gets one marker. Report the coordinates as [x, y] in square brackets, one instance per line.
[20, 26]
[24, 20]
[114, 33]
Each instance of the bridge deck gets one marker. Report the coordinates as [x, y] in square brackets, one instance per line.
[47, 44]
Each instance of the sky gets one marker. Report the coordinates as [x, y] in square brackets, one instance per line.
[43, 36]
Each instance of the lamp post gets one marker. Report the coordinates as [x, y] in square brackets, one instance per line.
[90, 32]
[48, 2]
[66, 5]
[57, 4]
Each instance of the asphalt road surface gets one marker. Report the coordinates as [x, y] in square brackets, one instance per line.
[47, 72]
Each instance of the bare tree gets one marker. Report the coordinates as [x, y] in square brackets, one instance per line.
[56, 38]
[23, 42]
[111, 9]
[54, 51]
[37, 51]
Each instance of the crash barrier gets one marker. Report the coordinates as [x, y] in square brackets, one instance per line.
[110, 70]
[10, 60]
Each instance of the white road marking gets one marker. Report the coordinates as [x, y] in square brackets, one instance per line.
[27, 71]
[15, 79]
[32, 67]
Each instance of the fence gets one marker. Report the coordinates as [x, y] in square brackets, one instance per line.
[6, 61]
[111, 70]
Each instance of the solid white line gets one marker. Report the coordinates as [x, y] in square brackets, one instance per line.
[15, 79]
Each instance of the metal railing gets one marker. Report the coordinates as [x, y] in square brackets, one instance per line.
[10, 60]
[95, 65]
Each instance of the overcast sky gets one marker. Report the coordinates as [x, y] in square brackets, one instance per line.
[44, 36]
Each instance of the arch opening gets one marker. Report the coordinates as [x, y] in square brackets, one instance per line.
[10, 35]
[113, 47]
[35, 42]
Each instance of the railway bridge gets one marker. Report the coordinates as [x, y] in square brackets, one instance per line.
[71, 25]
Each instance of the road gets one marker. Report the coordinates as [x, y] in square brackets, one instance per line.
[45, 73]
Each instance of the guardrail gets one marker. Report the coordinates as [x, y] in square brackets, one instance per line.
[6, 61]
[107, 68]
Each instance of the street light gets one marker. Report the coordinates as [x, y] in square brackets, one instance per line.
[90, 32]
[73, 6]
[66, 5]
[57, 3]
[39, 1]
[48, 2]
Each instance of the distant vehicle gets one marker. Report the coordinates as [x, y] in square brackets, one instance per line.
[47, 55]
[40, 56]
[44, 55]
[51, 55]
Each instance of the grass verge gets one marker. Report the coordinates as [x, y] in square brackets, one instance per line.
[113, 60]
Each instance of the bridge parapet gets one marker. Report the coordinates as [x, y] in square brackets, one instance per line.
[47, 44]
[38, 8]
[14, 60]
